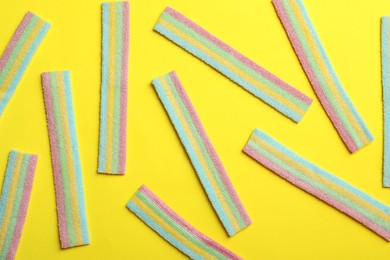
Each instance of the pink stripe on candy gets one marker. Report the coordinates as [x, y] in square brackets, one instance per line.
[124, 89]
[187, 226]
[213, 154]
[312, 77]
[317, 193]
[24, 203]
[59, 187]
[14, 39]
[178, 16]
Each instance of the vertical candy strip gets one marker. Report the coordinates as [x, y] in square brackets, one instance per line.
[202, 154]
[113, 103]
[72, 219]
[162, 219]
[316, 64]
[386, 98]
[14, 201]
[246, 73]
[18, 54]
[320, 183]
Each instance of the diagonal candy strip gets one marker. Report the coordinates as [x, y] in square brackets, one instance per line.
[315, 62]
[202, 154]
[246, 73]
[71, 212]
[320, 183]
[18, 54]
[14, 200]
[168, 224]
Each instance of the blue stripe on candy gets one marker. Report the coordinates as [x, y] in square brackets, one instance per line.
[161, 231]
[335, 78]
[226, 71]
[104, 90]
[193, 157]
[76, 156]
[26, 60]
[386, 101]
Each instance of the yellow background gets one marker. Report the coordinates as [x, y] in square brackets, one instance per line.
[287, 222]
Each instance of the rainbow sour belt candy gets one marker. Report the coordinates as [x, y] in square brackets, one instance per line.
[72, 219]
[113, 103]
[18, 54]
[318, 182]
[162, 219]
[202, 154]
[14, 201]
[255, 79]
[344, 116]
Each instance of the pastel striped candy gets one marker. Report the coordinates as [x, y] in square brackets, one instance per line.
[386, 98]
[18, 54]
[308, 47]
[202, 154]
[162, 219]
[14, 200]
[320, 183]
[113, 103]
[72, 219]
[246, 73]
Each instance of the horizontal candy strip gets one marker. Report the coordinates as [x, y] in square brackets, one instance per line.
[14, 200]
[113, 103]
[72, 219]
[318, 182]
[18, 54]
[162, 219]
[315, 62]
[202, 154]
[386, 98]
[255, 79]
